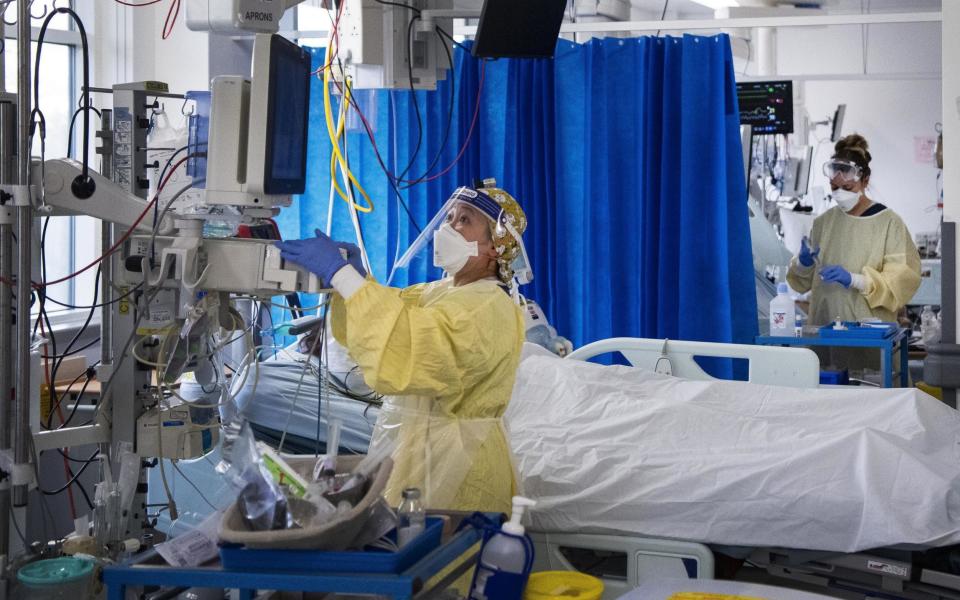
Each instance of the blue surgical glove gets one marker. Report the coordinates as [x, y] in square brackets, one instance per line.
[836, 274]
[354, 257]
[320, 255]
[807, 258]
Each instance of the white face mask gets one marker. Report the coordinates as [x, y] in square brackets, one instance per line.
[845, 199]
[451, 251]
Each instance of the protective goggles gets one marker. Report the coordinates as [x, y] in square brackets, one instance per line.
[844, 170]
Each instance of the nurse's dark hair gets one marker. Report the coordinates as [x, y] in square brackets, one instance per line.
[854, 148]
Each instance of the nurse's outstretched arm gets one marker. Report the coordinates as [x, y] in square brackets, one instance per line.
[403, 348]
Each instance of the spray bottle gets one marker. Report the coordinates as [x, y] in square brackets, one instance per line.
[506, 559]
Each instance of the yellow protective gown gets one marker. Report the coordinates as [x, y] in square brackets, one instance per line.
[446, 359]
[879, 247]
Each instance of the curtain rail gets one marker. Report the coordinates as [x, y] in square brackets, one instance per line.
[737, 23]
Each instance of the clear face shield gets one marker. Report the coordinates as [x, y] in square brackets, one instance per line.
[485, 206]
[842, 171]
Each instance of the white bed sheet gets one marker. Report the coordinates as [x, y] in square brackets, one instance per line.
[626, 451]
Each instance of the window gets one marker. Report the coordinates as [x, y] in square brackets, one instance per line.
[313, 20]
[68, 239]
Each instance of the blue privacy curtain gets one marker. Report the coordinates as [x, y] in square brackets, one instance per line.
[625, 154]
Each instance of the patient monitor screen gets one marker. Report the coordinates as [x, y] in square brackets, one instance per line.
[288, 109]
[767, 106]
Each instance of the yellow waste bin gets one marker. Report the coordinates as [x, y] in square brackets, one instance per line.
[563, 585]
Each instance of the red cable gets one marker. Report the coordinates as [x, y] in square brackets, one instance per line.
[168, 23]
[336, 37]
[66, 454]
[125, 3]
[119, 242]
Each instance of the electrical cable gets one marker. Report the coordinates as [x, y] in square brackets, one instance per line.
[399, 5]
[366, 125]
[163, 173]
[169, 22]
[336, 36]
[16, 526]
[390, 176]
[446, 132]
[865, 35]
[73, 121]
[76, 477]
[119, 298]
[85, 174]
[447, 35]
[351, 206]
[663, 14]
[68, 473]
[105, 397]
[333, 134]
[74, 352]
[172, 13]
[746, 65]
[473, 124]
[296, 395]
[89, 373]
[413, 98]
[76, 404]
[83, 328]
[79, 485]
[195, 488]
[116, 246]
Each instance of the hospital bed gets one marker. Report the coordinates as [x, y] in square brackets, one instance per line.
[626, 560]
[602, 541]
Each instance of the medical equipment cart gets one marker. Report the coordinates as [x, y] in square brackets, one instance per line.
[150, 570]
[887, 345]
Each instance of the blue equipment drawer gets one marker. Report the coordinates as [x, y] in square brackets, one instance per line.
[235, 557]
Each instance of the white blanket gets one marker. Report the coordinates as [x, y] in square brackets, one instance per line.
[626, 451]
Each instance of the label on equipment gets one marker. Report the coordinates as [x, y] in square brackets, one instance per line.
[160, 314]
[778, 319]
[195, 547]
[887, 568]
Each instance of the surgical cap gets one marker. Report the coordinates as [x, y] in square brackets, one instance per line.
[507, 247]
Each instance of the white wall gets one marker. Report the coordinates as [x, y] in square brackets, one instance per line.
[129, 47]
[889, 114]
[896, 99]
[908, 48]
[951, 115]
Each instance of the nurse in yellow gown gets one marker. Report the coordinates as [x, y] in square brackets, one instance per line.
[860, 261]
[444, 354]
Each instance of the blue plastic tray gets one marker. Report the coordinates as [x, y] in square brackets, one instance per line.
[855, 330]
[371, 560]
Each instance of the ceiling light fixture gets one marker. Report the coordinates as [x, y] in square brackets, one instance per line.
[718, 4]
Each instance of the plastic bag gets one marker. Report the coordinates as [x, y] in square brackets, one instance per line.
[261, 501]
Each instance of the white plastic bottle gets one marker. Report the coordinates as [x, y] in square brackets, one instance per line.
[411, 516]
[504, 554]
[783, 313]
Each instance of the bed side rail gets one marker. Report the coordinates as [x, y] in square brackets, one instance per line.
[770, 365]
